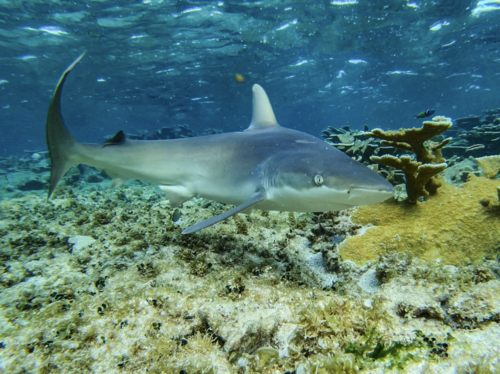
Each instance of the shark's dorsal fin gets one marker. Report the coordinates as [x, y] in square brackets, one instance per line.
[118, 138]
[263, 115]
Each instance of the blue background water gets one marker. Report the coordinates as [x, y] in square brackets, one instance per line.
[156, 63]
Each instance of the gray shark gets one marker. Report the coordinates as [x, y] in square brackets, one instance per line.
[266, 167]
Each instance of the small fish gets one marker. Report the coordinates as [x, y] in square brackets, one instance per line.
[427, 113]
[176, 215]
[239, 78]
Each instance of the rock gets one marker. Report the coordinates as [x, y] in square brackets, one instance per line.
[25, 181]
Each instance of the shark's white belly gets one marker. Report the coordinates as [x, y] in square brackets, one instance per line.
[223, 192]
[318, 199]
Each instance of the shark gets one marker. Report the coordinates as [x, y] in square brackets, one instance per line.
[267, 166]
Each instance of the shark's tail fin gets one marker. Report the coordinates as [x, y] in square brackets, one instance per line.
[63, 147]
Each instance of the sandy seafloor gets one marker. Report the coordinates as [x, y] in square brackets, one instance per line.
[100, 280]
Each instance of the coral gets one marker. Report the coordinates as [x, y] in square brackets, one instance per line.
[490, 166]
[414, 139]
[479, 135]
[453, 227]
[419, 178]
[420, 174]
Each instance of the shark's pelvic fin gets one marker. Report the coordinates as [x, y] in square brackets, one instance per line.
[117, 181]
[63, 147]
[263, 115]
[256, 198]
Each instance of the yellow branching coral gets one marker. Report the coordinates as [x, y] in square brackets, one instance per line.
[417, 175]
[414, 139]
[420, 174]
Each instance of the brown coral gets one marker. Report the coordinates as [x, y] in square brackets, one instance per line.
[419, 178]
[420, 174]
[414, 139]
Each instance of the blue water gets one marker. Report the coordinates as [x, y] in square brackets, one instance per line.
[155, 63]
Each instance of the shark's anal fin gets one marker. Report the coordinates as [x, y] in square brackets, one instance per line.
[176, 194]
[256, 198]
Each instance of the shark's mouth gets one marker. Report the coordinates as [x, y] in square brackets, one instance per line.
[362, 196]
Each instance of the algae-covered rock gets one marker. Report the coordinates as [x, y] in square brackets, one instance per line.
[26, 181]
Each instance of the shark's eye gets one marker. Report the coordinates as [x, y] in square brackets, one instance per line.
[318, 179]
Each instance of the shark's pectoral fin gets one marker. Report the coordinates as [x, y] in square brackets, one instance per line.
[177, 194]
[256, 198]
[117, 182]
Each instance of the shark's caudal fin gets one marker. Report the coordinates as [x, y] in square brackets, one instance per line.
[62, 145]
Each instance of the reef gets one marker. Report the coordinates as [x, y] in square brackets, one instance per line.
[357, 144]
[490, 166]
[101, 280]
[420, 174]
[476, 136]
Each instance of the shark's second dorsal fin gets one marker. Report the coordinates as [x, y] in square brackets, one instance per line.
[118, 138]
[263, 115]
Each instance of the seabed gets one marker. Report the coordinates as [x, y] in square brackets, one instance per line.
[100, 280]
